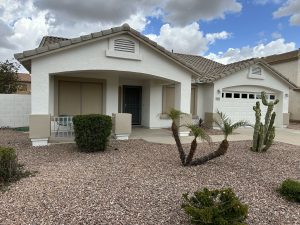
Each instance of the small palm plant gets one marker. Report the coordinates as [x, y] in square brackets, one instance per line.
[198, 132]
[224, 123]
[174, 114]
[227, 127]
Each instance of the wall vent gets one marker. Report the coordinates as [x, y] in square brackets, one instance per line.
[124, 45]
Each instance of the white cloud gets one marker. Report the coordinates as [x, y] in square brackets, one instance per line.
[180, 13]
[263, 2]
[188, 39]
[24, 27]
[290, 8]
[236, 54]
[276, 35]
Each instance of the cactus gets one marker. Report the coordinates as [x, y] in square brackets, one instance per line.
[264, 134]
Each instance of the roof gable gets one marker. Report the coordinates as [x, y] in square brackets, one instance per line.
[205, 70]
[226, 70]
[53, 44]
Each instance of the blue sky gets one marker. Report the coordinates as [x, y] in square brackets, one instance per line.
[222, 30]
[254, 24]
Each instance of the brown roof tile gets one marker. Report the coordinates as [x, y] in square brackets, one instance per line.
[207, 70]
[48, 40]
[202, 64]
[287, 56]
[24, 77]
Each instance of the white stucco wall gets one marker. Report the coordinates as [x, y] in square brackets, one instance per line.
[92, 57]
[270, 81]
[292, 71]
[294, 105]
[14, 110]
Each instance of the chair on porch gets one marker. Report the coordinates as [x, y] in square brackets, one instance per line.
[63, 121]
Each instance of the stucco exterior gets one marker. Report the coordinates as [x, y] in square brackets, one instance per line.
[291, 69]
[119, 62]
[241, 81]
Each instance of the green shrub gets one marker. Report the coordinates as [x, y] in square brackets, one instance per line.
[92, 132]
[215, 207]
[290, 189]
[8, 164]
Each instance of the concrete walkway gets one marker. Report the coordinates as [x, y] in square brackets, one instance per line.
[164, 136]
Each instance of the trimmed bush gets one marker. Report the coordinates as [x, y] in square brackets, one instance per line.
[92, 132]
[215, 207]
[9, 166]
[290, 189]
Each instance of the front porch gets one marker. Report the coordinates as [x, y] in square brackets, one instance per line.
[146, 97]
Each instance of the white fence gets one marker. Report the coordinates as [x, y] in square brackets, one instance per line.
[14, 110]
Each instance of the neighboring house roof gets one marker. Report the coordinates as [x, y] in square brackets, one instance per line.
[48, 40]
[284, 57]
[206, 70]
[24, 77]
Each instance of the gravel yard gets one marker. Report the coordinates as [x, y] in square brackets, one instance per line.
[141, 183]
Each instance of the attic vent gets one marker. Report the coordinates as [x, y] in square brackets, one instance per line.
[256, 70]
[124, 45]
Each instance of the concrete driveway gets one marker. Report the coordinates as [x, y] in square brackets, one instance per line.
[164, 136]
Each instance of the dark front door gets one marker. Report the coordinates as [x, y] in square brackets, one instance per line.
[132, 98]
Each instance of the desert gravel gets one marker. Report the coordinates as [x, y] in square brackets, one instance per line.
[135, 182]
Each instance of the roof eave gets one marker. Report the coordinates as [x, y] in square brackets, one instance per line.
[26, 57]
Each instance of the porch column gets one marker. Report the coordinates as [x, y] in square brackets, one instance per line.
[39, 121]
[183, 103]
[183, 96]
[111, 95]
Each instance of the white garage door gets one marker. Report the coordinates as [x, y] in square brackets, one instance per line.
[239, 105]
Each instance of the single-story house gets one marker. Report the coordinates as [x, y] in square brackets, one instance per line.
[121, 70]
[24, 83]
[289, 65]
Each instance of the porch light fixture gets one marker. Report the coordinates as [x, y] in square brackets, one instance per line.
[218, 91]
[286, 95]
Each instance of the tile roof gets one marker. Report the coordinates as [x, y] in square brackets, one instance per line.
[46, 47]
[225, 70]
[48, 40]
[202, 64]
[24, 77]
[206, 70]
[284, 57]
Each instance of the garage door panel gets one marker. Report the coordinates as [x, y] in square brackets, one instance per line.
[240, 108]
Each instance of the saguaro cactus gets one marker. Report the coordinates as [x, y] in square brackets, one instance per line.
[264, 134]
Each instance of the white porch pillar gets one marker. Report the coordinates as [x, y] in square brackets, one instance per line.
[39, 123]
[40, 93]
[183, 103]
[111, 95]
[183, 96]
